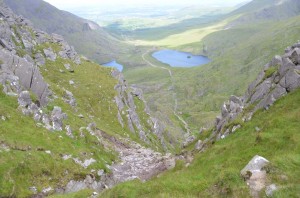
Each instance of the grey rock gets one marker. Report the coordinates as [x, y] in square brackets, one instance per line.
[71, 82]
[39, 59]
[255, 175]
[69, 131]
[234, 128]
[270, 190]
[256, 164]
[29, 75]
[33, 189]
[57, 117]
[188, 140]
[92, 127]
[75, 186]
[70, 99]
[100, 172]
[50, 54]
[295, 56]
[85, 163]
[69, 68]
[286, 66]
[4, 44]
[292, 80]
[262, 90]
[199, 145]
[24, 99]
[29, 59]
[88, 183]
[66, 157]
[47, 190]
[120, 119]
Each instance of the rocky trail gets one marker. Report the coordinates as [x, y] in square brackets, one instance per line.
[175, 112]
[135, 161]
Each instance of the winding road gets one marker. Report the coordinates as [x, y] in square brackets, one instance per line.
[186, 126]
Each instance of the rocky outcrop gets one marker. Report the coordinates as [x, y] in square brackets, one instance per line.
[18, 74]
[279, 77]
[20, 64]
[127, 110]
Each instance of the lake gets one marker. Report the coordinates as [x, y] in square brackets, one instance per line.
[180, 59]
[114, 64]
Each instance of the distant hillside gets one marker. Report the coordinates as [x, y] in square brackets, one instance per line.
[238, 54]
[261, 10]
[86, 36]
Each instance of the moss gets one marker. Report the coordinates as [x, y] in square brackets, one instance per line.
[21, 52]
[270, 71]
[21, 44]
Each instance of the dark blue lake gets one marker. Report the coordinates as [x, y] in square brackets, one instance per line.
[180, 59]
[114, 64]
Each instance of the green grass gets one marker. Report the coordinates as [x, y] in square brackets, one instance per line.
[216, 172]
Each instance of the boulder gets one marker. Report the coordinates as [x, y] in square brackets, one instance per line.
[68, 67]
[262, 90]
[70, 99]
[50, 54]
[270, 190]
[24, 99]
[295, 56]
[287, 64]
[39, 59]
[255, 175]
[57, 117]
[188, 140]
[69, 131]
[199, 145]
[256, 164]
[292, 80]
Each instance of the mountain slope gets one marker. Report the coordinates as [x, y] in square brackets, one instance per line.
[271, 132]
[87, 37]
[65, 120]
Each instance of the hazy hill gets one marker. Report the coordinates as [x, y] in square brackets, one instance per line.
[86, 36]
[262, 10]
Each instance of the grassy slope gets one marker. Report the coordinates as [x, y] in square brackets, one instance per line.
[215, 173]
[27, 164]
[21, 169]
